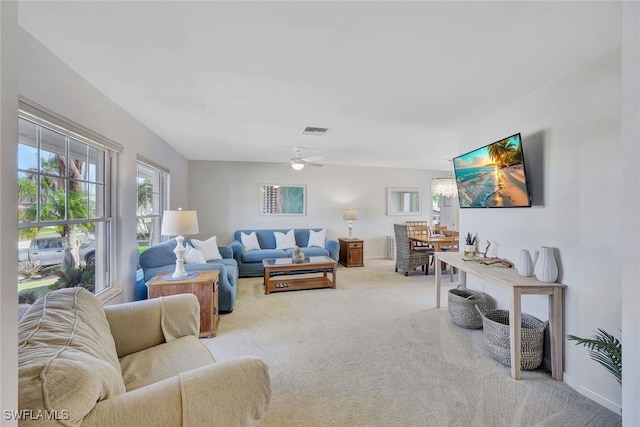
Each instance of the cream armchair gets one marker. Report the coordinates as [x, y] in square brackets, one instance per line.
[129, 365]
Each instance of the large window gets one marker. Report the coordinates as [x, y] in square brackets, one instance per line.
[153, 195]
[65, 205]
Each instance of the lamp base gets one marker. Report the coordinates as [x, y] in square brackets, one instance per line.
[179, 272]
[350, 230]
[190, 275]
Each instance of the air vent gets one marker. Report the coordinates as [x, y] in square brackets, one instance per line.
[314, 131]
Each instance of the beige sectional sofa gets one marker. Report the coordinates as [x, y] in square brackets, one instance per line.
[130, 364]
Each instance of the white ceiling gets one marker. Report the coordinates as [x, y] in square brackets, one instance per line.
[393, 81]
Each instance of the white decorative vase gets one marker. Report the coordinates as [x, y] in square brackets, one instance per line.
[546, 269]
[525, 264]
[469, 250]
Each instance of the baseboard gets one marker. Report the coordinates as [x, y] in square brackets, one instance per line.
[612, 406]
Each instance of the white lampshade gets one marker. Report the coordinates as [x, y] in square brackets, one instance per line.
[179, 222]
[350, 214]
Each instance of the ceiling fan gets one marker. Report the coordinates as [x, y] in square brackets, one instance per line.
[299, 162]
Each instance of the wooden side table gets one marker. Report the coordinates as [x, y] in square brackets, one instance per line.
[204, 286]
[351, 252]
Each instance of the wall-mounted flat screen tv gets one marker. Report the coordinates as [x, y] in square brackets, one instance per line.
[493, 176]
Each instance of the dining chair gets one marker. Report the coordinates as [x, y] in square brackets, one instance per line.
[438, 229]
[408, 259]
[418, 228]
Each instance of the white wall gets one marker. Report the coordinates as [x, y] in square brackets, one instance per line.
[48, 81]
[225, 194]
[8, 211]
[630, 221]
[572, 144]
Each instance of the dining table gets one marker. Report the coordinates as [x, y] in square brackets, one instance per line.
[437, 240]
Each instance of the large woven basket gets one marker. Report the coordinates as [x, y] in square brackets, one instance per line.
[462, 307]
[496, 332]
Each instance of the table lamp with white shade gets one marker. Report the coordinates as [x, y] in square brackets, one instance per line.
[350, 215]
[177, 223]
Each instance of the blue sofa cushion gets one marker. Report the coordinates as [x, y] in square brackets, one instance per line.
[162, 254]
[312, 251]
[258, 256]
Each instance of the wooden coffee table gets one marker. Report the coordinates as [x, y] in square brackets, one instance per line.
[279, 274]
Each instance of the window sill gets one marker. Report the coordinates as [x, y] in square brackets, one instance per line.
[109, 295]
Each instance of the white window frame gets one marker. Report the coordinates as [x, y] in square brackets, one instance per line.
[39, 115]
[162, 192]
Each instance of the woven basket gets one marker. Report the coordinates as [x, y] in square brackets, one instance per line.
[496, 332]
[462, 307]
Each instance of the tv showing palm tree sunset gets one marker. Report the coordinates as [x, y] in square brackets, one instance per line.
[493, 176]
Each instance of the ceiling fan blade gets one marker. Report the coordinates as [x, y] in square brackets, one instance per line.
[312, 159]
[319, 165]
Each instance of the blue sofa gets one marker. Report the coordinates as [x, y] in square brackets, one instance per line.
[160, 258]
[250, 262]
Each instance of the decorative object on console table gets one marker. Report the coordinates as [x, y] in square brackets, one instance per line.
[177, 223]
[351, 252]
[204, 287]
[350, 215]
[470, 245]
[525, 264]
[546, 268]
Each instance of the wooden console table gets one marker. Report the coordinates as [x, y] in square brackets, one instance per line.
[516, 285]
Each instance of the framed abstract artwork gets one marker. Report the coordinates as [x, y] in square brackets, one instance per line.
[283, 199]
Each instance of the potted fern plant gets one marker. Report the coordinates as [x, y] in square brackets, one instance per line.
[604, 349]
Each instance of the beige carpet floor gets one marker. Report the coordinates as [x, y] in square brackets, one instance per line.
[376, 352]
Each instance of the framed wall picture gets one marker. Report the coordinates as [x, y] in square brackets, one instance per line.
[283, 199]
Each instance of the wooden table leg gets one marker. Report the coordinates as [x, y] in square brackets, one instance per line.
[266, 281]
[556, 328]
[515, 327]
[334, 276]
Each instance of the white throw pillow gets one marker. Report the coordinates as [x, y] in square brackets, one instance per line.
[209, 248]
[193, 256]
[249, 241]
[317, 238]
[284, 241]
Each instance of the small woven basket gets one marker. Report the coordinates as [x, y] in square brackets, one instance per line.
[462, 307]
[496, 332]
